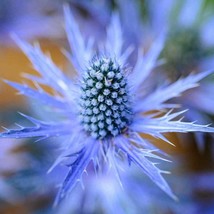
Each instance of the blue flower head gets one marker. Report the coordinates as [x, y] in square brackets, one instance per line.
[106, 107]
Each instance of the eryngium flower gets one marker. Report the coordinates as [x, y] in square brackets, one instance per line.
[106, 107]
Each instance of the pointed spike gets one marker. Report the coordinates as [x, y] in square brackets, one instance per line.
[31, 119]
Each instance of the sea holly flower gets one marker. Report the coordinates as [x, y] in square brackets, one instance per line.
[105, 108]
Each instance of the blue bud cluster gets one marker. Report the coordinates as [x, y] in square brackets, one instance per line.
[105, 106]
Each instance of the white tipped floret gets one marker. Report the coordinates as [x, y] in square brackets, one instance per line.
[94, 135]
[110, 74]
[102, 107]
[86, 127]
[101, 125]
[115, 132]
[108, 112]
[101, 116]
[116, 115]
[88, 93]
[92, 73]
[119, 76]
[119, 100]
[100, 98]
[106, 92]
[125, 99]
[86, 119]
[94, 102]
[122, 91]
[99, 85]
[99, 76]
[97, 63]
[104, 67]
[93, 119]
[115, 107]
[116, 85]
[90, 82]
[102, 133]
[87, 103]
[114, 95]
[115, 66]
[106, 60]
[95, 110]
[123, 82]
[109, 102]
[108, 120]
[110, 127]
[118, 121]
[94, 127]
[122, 107]
[89, 111]
[94, 91]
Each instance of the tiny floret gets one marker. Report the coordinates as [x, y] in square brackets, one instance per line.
[104, 77]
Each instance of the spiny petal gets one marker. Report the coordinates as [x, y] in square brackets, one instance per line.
[39, 95]
[148, 167]
[156, 100]
[81, 52]
[144, 143]
[133, 31]
[41, 129]
[52, 75]
[77, 168]
[164, 124]
[145, 64]
[114, 37]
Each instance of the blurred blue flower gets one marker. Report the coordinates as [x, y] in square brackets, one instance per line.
[25, 17]
[189, 49]
[11, 163]
[193, 51]
[101, 112]
[102, 194]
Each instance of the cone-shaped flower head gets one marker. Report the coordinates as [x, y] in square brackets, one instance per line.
[105, 102]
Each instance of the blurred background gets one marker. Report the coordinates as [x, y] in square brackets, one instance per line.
[26, 188]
